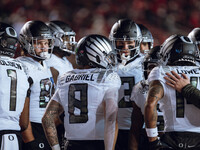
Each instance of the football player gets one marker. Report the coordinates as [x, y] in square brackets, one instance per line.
[182, 129]
[126, 37]
[182, 83]
[14, 106]
[88, 96]
[138, 138]
[36, 41]
[64, 46]
[147, 39]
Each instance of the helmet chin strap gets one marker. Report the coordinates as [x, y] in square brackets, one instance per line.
[45, 55]
[125, 58]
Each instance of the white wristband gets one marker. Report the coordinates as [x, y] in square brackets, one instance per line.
[56, 147]
[152, 132]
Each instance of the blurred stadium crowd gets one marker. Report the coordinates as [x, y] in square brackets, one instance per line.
[162, 17]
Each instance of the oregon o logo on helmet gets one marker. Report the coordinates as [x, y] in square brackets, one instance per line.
[11, 32]
[185, 39]
[11, 137]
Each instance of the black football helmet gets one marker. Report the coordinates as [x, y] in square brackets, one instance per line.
[8, 40]
[95, 51]
[151, 60]
[64, 36]
[178, 50]
[126, 30]
[146, 36]
[31, 32]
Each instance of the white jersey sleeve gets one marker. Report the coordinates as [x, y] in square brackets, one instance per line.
[14, 86]
[81, 93]
[178, 113]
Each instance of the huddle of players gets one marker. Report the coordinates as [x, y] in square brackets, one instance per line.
[109, 84]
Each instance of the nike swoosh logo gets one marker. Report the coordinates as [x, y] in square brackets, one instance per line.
[189, 146]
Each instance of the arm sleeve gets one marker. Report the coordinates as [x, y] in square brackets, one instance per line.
[192, 94]
[30, 81]
[111, 107]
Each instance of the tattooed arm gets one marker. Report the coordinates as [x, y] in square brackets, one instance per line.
[48, 121]
[155, 93]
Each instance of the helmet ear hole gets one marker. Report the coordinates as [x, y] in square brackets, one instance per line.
[98, 59]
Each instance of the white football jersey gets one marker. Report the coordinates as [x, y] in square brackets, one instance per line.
[130, 74]
[62, 65]
[14, 86]
[81, 93]
[179, 115]
[139, 95]
[41, 89]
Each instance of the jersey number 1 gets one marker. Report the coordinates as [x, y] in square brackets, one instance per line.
[13, 87]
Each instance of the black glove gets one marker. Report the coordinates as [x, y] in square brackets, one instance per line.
[33, 145]
[158, 145]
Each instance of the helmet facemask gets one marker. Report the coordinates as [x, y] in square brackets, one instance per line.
[111, 59]
[44, 44]
[147, 41]
[66, 41]
[127, 49]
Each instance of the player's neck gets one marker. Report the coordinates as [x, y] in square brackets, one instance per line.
[58, 55]
[84, 67]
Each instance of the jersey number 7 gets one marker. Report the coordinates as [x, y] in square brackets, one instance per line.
[180, 107]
